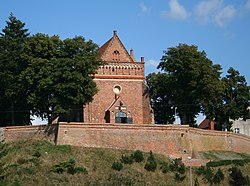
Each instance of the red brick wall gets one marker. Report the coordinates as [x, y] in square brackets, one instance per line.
[174, 140]
[131, 96]
[15, 133]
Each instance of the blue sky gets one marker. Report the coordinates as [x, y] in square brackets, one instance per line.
[219, 27]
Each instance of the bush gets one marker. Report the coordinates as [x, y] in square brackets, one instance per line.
[117, 166]
[126, 159]
[219, 163]
[218, 177]
[178, 177]
[201, 170]
[196, 182]
[209, 175]
[69, 167]
[178, 166]
[174, 166]
[151, 163]
[237, 178]
[182, 169]
[81, 170]
[164, 167]
[239, 162]
[16, 181]
[138, 156]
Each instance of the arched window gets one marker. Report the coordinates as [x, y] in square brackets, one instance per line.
[116, 55]
[120, 117]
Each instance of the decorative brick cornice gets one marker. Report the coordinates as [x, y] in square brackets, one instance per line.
[98, 76]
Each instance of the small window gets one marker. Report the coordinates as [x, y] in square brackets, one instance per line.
[116, 55]
[236, 130]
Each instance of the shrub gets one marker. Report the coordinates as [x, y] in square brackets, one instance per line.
[174, 166]
[178, 166]
[69, 167]
[201, 170]
[218, 177]
[126, 159]
[117, 166]
[138, 156]
[164, 167]
[151, 163]
[239, 162]
[196, 182]
[219, 163]
[236, 177]
[16, 181]
[209, 175]
[81, 170]
[178, 177]
[182, 169]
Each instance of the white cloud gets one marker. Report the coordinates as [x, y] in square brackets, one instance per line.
[215, 11]
[206, 9]
[177, 11]
[144, 8]
[225, 15]
[247, 5]
[152, 62]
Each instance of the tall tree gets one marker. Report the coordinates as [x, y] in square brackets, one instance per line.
[161, 98]
[13, 60]
[235, 100]
[59, 78]
[193, 80]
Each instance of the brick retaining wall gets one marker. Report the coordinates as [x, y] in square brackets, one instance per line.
[173, 140]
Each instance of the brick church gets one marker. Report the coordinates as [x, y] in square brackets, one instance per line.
[122, 95]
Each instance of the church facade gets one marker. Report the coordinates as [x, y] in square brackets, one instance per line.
[122, 93]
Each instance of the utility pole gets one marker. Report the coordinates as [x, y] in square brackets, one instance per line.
[190, 170]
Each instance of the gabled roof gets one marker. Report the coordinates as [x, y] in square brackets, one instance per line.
[114, 44]
[116, 102]
[205, 124]
[113, 103]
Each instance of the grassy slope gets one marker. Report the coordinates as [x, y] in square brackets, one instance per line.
[19, 164]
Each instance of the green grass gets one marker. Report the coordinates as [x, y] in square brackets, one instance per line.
[224, 155]
[32, 162]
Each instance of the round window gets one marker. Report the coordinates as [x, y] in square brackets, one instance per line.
[117, 89]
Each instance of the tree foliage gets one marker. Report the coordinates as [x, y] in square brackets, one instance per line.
[190, 84]
[235, 100]
[13, 60]
[44, 75]
[161, 96]
[59, 76]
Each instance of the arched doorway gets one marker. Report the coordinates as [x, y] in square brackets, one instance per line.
[107, 116]
[120, 117]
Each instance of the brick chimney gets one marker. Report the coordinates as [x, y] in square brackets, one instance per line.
[211, 125]
[132, 53]
[142, 59]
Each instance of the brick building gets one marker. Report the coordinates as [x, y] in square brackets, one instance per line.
[122, 95]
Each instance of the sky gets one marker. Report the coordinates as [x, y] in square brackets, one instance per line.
[219, 27]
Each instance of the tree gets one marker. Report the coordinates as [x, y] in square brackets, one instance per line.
[161, 98]
[59, 78]
[235, 100]
[236, 177]
[13, 60]
[193, 83]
